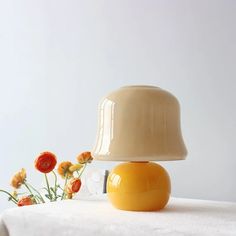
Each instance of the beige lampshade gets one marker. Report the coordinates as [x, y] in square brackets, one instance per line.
[139, 123]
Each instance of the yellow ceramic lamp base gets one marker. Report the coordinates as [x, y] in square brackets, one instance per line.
[139, 186]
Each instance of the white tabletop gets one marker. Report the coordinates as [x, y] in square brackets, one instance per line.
[98, 217]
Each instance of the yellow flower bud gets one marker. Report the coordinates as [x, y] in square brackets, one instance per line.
[75, 167]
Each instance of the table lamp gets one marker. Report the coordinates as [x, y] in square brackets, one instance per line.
[137, 125]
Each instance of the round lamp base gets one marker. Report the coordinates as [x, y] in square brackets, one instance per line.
[139, 186]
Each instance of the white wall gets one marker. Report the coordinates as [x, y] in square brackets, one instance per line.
[58, 58]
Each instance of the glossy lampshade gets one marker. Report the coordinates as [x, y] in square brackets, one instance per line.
[139, 123]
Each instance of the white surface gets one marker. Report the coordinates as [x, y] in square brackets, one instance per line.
[58, 58]
[181, 217]
[3, 230]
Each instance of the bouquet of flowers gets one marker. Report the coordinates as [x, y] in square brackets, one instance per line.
[46, 163]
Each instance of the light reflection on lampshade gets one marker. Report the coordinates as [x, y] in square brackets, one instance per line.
[139, 123]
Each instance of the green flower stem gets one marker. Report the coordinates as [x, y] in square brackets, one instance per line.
[37, 198]
[63, 194]
[60, 188]
[49, 192]
[82, 170]
[39, 195]
[55, 184]
[12, 198]
[55, 187]
[26, 185]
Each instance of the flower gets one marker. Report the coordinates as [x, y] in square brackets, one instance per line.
[64, 169]
[25, 201]
[45, 162]
[84, 157]
[73, 186]
[75, 167]
[18, 179]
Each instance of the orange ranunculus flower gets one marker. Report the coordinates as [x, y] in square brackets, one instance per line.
[18, 179]
[45, 162]
[64, 169]
[84, 157]
[73, 186]
[25, 201]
